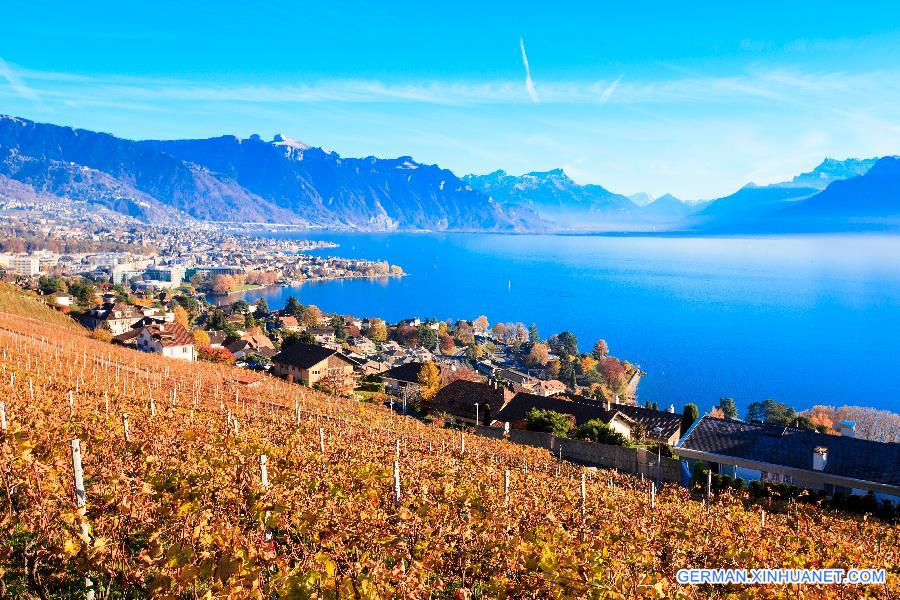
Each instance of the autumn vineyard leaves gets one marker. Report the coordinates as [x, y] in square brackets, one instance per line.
[185, 507]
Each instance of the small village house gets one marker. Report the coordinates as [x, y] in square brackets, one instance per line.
[169, 339]
[310, 364]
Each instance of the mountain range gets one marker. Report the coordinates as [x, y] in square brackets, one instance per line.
[286, 181]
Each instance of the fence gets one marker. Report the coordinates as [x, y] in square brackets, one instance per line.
[636, 461]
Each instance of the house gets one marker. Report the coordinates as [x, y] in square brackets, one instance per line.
[169, 339]
[116, 318]
[217, 338]
[761, 451]
[402, 378]
[128, 339]
[549, 387]
[290, 324]
[660, 426]
[514, 411]
[311, 364]
[322, 335]
[62, 299]
[459, 398]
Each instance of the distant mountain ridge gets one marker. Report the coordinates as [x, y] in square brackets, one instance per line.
[229, 179]
[287, 181]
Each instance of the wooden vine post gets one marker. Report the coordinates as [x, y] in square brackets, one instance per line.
[81, 505]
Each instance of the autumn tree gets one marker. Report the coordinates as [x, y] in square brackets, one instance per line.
[613, 373]
[201, 338]
[311, 316]
[376, 330]
[481, 323]
[447, 344]
[181, 316]
[538, 356]
[474, 352]
[462, 331]
[601, 350]
[430, 380]
[223, 284]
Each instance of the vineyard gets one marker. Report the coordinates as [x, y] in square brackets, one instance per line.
[185, 483]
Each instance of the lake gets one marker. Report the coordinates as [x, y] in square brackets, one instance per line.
[804, 320]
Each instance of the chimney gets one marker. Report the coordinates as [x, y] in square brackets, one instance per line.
[608, 406]
[671, 409]
[820, 458]
[848, 429]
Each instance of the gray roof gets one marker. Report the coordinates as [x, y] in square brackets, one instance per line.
[669, 423]
[792, 447]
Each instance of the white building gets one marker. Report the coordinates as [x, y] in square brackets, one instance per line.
[169, 339]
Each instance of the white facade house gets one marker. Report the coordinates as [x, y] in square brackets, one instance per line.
[169, 339]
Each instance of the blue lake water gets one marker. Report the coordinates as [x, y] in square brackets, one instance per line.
[804, 320]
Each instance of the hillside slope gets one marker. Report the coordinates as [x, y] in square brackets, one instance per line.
[184, 505]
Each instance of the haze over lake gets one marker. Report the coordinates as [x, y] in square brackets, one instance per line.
[804, 320]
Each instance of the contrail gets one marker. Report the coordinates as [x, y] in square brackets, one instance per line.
[609, 91]
[529, 85]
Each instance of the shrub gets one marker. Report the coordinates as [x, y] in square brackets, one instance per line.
[596, 430]
[549, 421]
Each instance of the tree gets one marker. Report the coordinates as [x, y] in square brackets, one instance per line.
[337, 323]
[601, 350]
[538, 355]
[216, 355]
[201, 338]
[587, 363]
[377, 330]
[690, 414]
[311, 316]
[613, 373]
[481, 323]
[474, 352]
[771, 411]
[302, 337]
[428, 337]
[83, 290]
[181, 316]
[217, 319]
[533, 336]
[651, 405]
[564, 343]
[596, 430]
[262, 307]
[222, 284]
[447, 345]
[549, 421]
[49, 285]
[728, 408]
[462, 331]
[429, 379]
[241, 306]
[293, 307]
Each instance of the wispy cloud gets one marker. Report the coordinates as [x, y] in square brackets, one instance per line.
[752, 85]
[15, 82]
[529, 84]
[608, 92]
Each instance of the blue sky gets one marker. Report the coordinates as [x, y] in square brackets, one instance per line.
[694, 100]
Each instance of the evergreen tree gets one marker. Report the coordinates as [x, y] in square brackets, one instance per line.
[690, 414]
